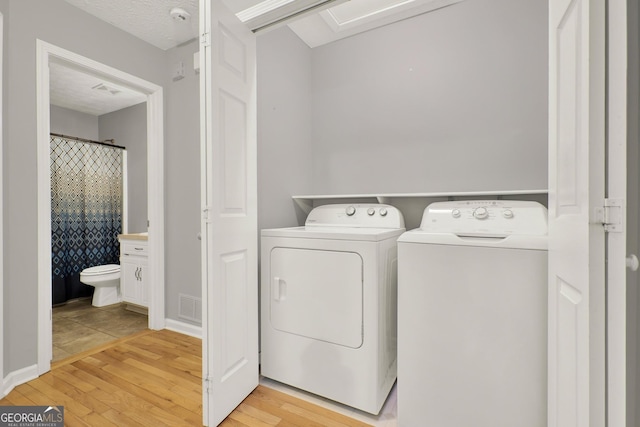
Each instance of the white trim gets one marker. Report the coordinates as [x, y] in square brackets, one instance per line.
[45, 340]
[125, 192]
[260, 9]
[155, 148]
[184, 328]
[18, 377]
[617, 189]
[2, 382]
[155, 203]
[204, 52]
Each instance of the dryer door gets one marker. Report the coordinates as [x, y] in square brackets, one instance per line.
[317, 294]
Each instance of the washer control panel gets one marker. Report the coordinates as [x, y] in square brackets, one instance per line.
[356, 215]
[489, 218]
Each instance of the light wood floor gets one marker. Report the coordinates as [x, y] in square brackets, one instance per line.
[153, 378]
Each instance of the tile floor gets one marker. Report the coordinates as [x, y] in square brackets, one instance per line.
[79, 326]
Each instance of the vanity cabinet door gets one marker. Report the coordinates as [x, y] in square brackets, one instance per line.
[133, 271]
[143, 284]
[129, 283]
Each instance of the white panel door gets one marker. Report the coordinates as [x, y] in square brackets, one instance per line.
[229, 194]
[576, 191]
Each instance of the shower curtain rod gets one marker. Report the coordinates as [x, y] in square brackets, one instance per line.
[88, 140]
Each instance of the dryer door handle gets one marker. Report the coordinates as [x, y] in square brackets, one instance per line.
[279, 289]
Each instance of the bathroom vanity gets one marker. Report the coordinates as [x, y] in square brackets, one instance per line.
[133, 266]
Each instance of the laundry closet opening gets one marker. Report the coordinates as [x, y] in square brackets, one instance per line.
[434, 103]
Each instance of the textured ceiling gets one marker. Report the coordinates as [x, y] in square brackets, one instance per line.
[148, 20]
[151, 21]
[73, 89]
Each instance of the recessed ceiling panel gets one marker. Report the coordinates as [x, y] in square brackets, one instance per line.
[357, 10]
[356, 16]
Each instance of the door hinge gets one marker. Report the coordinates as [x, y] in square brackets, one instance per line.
[611, 215]
[205, 39]
[206, 214]
[208, 385]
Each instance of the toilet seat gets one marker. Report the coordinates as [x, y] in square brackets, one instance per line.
[101, 269]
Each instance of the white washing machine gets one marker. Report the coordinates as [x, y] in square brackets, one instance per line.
[472, 316]
[329, 301]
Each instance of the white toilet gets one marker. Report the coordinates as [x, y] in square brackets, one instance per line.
[106, 280]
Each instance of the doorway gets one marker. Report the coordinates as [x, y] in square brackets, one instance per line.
[46, 53]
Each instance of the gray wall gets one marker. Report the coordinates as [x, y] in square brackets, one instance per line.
[453, 100]
[182, 182]
[128, 127]
[58, 23]
[284, 126]
[73, 123]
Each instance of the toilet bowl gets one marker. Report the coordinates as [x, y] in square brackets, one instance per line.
[106, 281]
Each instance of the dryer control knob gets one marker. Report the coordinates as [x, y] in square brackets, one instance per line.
[371, 211]
[456, 213]
[481, 213]
[508, 213]
[351, 210]
[383, 211]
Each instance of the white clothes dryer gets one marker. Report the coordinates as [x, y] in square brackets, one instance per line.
[472, 316]
[328, 303]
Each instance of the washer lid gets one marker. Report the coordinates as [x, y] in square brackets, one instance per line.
[514, 241]
[101, 269]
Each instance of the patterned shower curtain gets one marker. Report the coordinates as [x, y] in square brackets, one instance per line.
[86, 212]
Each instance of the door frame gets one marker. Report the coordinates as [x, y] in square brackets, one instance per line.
[2, 385]
[616, 190]
[155, 187]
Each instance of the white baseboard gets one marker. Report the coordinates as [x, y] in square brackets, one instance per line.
[183, 328]
[18, 377]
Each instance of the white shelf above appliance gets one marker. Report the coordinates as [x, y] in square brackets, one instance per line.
[307, 202]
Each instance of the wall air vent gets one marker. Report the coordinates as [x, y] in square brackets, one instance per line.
[190, 308]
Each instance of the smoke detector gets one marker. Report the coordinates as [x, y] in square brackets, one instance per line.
[179, 14]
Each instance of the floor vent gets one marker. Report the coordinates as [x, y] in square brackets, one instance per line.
[190, 308]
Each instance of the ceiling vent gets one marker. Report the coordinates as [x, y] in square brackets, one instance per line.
[105, 88]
